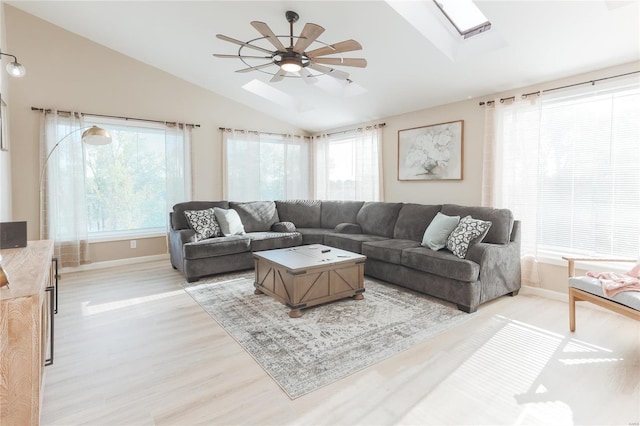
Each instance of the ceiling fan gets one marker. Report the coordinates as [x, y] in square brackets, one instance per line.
[295, 59]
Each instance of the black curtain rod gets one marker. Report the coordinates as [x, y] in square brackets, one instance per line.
[355, 130]
[227, 129]
[114, 116]
[592, 82]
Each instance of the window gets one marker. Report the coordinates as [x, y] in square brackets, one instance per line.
[262, 166]
[348, 166]
[589, 177]
[465, 16]
[129, 183]
[567, 165]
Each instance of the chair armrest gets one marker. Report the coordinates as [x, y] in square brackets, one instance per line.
[571, 262]
[348, 228]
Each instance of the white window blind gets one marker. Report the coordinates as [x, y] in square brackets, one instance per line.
[589, 194]
[567, 164]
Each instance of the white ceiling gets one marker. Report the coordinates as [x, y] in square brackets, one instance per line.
[530, 42]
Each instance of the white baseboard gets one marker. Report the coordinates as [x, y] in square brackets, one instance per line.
[542, 292]
[561, 297]
[112, 263]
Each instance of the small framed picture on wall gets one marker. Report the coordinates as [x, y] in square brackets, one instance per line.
[431, 152]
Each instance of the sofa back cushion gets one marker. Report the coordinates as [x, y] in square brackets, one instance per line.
[256, 216]
[302, 213]
[178, 219]
[333, 213]
[413, 221]
[501, 220]
[378, 218]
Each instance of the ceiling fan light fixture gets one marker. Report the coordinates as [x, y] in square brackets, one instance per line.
[290, 65]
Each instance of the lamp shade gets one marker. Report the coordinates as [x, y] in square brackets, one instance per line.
[16, 69]
[96, 136]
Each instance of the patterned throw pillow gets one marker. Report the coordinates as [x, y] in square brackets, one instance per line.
[204, 223]
[467, 230]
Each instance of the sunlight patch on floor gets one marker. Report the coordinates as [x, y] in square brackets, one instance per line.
[88, 309]
[519, 353]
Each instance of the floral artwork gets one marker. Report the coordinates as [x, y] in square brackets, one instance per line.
[431, 152]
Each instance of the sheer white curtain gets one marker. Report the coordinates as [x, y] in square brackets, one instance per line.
[263, 166]
[178, 163]
[348, 166]
[566, 164]
[510, 170]
[63, 205]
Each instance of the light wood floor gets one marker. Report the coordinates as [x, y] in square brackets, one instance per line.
[132, 348]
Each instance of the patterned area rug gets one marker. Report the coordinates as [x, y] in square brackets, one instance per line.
[329, 341]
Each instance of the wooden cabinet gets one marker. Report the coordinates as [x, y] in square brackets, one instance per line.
[25, 309]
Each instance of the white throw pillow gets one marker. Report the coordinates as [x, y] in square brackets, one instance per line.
[467, 230]
[435, 237]
[229, 221]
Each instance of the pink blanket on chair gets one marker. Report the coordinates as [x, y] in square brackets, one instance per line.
[614, 283]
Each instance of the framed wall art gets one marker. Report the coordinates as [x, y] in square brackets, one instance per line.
[431, 152]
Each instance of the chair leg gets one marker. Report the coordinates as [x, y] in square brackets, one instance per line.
[572, 310]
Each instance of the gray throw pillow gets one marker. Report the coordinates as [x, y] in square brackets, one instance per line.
[467, 230]
[438, 231]
[204, 223]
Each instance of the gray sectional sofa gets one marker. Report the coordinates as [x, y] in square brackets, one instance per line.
[389, 234]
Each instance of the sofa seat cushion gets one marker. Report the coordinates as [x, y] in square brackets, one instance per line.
[274, 240]
[594, 286]
[443, 263]
[313, 235]
[350, 242]
[388, 250]
[217, 247]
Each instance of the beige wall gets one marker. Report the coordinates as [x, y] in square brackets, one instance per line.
[69, 72]
[5, 163]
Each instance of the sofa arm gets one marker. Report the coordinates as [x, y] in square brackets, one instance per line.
[283, 227]
[499, 268]
[177, 239]
[348, 228]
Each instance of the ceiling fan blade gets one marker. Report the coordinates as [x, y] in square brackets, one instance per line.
[340, 75]
[307, 77]
[242, 43]
[342, 47]
[257, 67]
[279, 76]
[309, 34]
[266, 31]
[218, 55]
[346, 62]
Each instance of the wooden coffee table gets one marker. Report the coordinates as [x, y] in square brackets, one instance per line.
[305, 276]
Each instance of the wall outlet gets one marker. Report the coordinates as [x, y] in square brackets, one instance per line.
[132, 244]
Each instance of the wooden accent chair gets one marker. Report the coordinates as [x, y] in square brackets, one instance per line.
[590, 290]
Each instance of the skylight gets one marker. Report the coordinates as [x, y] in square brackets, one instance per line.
[465, 16]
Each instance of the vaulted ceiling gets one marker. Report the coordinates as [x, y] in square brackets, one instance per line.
[410, 65]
